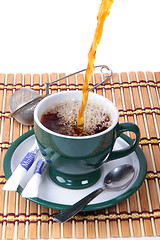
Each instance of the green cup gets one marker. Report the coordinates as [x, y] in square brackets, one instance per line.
[76, 162]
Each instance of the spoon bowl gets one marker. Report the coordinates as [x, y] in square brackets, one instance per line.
[117, 179]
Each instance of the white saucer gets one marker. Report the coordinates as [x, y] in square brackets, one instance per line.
[52, 195]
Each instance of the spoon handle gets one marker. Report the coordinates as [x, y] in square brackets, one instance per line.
[71, 211]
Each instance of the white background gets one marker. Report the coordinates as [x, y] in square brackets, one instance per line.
[39, 36]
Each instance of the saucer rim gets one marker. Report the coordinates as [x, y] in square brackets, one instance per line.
[138, 182]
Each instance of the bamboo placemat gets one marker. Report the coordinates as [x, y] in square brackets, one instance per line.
[137, 96]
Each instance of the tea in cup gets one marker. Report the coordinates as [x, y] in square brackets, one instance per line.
[76, 156]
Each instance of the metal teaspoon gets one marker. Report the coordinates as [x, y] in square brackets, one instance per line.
[117, 179]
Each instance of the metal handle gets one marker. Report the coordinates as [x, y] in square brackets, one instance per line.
[71, 211]
[99, 66]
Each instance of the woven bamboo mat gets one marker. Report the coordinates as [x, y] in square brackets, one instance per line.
[137, 96]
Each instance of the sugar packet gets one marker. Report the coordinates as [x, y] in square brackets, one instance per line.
[24, 166]
[32, 187]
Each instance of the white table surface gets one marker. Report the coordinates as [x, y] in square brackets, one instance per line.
[39, 36]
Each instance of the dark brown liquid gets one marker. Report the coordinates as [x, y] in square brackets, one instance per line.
[53, 122]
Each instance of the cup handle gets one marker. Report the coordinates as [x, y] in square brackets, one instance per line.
[123, 127]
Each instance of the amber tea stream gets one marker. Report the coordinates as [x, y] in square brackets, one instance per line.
[104, 11]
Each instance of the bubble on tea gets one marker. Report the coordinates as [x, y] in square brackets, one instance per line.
[62, 118]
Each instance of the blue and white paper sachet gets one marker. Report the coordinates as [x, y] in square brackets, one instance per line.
[32, 188]
[26, 165]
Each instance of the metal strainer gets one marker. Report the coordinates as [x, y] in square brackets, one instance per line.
[23, 102]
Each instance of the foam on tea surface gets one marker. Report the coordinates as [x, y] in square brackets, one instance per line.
[62, 118]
